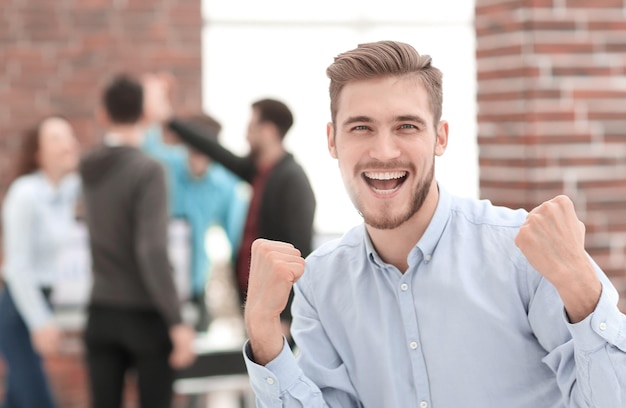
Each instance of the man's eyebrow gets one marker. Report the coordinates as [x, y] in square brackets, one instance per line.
[357, 119]
[411, 118]
[400, 118]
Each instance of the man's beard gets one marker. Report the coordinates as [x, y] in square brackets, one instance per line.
[386, 221]
[254, 153]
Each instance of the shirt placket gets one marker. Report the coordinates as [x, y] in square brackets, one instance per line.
[409, 319]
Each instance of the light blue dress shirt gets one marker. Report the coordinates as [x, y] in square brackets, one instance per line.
[37, 220]
[469, 325]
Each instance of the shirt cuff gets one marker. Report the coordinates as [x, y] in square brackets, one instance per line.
[602, 326]
[271, 380]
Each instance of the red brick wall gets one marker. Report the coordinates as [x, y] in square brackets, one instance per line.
[55, 56]
[552, 113]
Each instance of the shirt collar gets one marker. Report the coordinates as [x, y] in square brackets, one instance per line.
[112, 139]
[55, 194]
[369, 247]
[428, 243]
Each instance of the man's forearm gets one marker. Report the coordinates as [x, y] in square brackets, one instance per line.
[266, 337]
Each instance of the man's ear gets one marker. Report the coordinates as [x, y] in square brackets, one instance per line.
[102, 116]
[330, 135]
[442, 138]
[270, 132]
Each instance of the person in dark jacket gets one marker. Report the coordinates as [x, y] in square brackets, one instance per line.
[282, 206]
[134, 317]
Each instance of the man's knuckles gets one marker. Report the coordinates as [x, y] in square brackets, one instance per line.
[265, 246]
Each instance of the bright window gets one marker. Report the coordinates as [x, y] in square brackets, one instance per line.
[281, 49]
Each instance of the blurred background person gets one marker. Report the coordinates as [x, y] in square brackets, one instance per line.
[282, 206]
[37, 217]
[134, 314]
[204, 194]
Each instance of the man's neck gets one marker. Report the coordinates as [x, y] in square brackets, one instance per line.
[270, 155]
[126, 135]
[393, 245]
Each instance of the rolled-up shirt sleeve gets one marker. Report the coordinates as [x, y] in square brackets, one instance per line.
[605, 326]
[281, 383]
[600, 352]
[315, 378]
[590, 366]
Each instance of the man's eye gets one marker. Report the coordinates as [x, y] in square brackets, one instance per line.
[408, 126]
[360, 127]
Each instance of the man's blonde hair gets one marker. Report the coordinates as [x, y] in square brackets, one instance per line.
[382, 59]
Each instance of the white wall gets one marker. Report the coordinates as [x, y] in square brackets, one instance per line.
[281, 48]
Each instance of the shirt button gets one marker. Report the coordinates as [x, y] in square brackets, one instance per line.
[404, 287]
[423, 404]
[270, 380]
[427, 257]
[413, 345]
[603, 326]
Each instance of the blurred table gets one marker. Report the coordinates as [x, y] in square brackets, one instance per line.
[219, 367]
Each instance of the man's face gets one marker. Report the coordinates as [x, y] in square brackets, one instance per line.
[255, 135]
[197, 163]
[385, 142]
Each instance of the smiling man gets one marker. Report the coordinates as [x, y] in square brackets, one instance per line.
[436, 300]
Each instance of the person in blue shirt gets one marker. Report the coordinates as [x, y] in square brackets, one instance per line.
[204, 194]
[436, 300]
[38, 216]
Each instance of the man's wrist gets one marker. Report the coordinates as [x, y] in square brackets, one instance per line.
[580, 300]
[266, 338]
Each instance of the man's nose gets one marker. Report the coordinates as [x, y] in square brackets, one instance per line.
[384, 146]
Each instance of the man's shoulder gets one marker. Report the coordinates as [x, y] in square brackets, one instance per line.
[146, 160]
[222, 175]
[484, 212]
[335, 263]
[289, 172]
[289, 164]
[334, 249]
[124, 162]
[141, 162]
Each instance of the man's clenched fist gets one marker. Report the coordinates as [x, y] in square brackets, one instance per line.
[553, 241]
[274, 268]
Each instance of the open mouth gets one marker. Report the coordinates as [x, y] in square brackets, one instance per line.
[385, 182]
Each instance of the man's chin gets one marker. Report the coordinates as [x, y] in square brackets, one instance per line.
[384, 222]
[254, 154]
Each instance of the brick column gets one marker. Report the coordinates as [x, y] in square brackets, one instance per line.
[55, 56]
[552, 113]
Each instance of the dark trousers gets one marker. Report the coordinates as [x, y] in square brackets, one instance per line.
[204, 316]
[26, 383]
[120, 339]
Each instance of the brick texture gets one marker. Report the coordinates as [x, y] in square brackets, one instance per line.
[57, 55]
[551, 97]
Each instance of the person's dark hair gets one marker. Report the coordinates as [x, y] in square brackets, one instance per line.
[209, 125]
[123, 100]
[27, 156]
[276, 112]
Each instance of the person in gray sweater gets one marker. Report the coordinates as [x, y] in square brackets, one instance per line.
[134, 318]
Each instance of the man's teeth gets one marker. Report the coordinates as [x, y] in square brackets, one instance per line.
[385, 176]
[383, 192]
